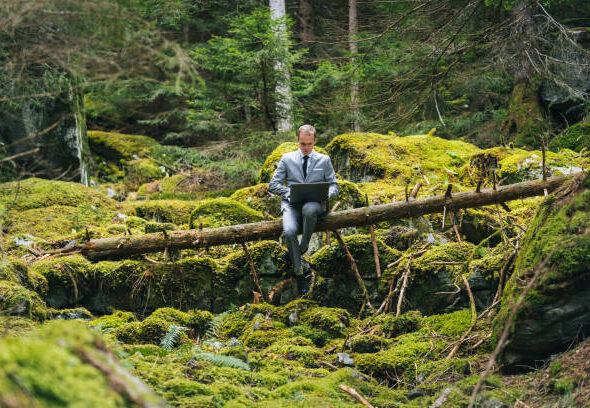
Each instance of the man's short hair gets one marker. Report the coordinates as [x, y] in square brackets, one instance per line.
[306, 129]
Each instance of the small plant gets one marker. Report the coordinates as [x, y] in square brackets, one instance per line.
[172, 336]
[222, 361]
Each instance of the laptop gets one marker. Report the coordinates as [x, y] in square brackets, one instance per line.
[302, 193]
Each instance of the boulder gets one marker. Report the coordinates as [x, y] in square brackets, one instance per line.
[556, 311]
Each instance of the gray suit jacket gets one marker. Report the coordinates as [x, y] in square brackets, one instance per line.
[290, 170]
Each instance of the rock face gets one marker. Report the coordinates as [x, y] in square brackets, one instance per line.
[556, 312]
[60, 128]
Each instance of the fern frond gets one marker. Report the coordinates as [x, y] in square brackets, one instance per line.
[222, 361]
[171, 337]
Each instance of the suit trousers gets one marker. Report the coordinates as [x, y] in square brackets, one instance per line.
[292, 218]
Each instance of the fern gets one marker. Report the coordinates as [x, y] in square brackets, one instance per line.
[171, 337]
[222, 361]
[215, 324]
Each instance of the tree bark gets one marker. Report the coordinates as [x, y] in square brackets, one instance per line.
[284, 99]
[353, 48]
[306, 21]
[139, 244]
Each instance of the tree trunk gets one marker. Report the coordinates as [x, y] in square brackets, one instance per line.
[306, 21]
[353, 48]
[284, 98]
[138, 244]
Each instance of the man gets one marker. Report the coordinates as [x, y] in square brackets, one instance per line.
[302, 166]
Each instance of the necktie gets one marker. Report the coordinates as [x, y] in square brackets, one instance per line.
[305, 158]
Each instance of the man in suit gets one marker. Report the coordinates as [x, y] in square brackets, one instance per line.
[304, 165]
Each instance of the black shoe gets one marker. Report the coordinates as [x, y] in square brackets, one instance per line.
[302, 284]
[286, 258]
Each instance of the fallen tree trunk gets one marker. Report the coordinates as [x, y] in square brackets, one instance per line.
[139, 244]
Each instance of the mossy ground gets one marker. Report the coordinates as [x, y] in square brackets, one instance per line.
[184, 324]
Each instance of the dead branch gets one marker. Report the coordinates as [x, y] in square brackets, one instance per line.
[404, 285]
[253, 270]
[354, 268]
[355, 395]
[473, 320]
[374, 242]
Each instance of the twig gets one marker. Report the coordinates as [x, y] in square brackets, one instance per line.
[354, 268]
[441, 400]
[507, 325]
[415, 190]
[473, 320]
[277, 287]
[16, 156]
[355, 395]
[253, 270]
[330, 366]
[374, 242]
[404, 285]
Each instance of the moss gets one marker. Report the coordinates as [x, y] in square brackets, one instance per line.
[339, 287]
[15, 270]
[159, 227]
[559, 236]
[272, 161]
[80, 313]
[231, 325]
[172, 211]
[309, 356]
[184, 284]
[15, 300]
[220, 212]
[370, 156]
[116, 146]
[182, 186]
[524, 165]
[140, 171]
[69, 279]
[259, 198]
[451, 370]
[318, 337]
[15, 326]
[47, 369]
[34, 193]
[114, 320]
[331, 320]
[263, 337]
[195, 319]
[150, 331]
[564, 385]
[526, 122]
[393, 326]
[575, 137]
[366, 343]
[400, 361]
[129, 332]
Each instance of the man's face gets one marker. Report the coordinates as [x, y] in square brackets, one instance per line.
[306, 142]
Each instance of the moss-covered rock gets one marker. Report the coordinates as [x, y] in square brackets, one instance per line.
[439, 269]
[364, 157]
[52, 368]
[15, 300]
[172, 211]
[366, 343]
[393, 326]
[259, 198]
[34, 193]
[70, 280]
[113, 146]
[141, 171]
[526, 121]
[52, 209]
[15, 270]
[524, 165]
[142, 286]
[399, 362]
[575, 137]
[194, 319]
[112, 321]
[221, 212]
[78, 313]
[272, 161]
[336, 285]
[235, 284]
[555, 312]
[331, 320]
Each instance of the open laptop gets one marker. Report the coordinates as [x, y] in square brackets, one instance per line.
[302, 193]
